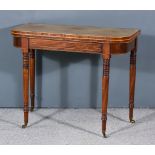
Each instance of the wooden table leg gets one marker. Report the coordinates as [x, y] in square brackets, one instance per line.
[32, 77]
[132, 83]
[25, 52]
[26, 87]
[105, 90]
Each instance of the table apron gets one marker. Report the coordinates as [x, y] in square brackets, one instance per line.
[70, 46]
[75, 46]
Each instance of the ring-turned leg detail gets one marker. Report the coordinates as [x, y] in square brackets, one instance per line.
[132, 83]
[105, 89]
[32, 77]
[26, 87]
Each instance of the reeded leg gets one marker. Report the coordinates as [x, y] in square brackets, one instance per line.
[105, 89]
[32, 77]
[132, 83]
[26, 87]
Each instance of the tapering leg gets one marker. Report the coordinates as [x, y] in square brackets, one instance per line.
[105, 90]
[132, 83]
[26, 87]
[32, 77]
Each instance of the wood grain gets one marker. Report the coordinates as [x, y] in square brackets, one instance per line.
[64, 46]
[132, 81]
[81, 47]
[32, 76]
[25, 79]
[105, 85]
[72, 32]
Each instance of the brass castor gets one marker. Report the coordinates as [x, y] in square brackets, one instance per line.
[104, 135]
[132, 121]
[24, 126]
[32, 109]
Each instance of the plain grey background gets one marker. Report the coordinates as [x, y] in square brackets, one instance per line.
[74, 80]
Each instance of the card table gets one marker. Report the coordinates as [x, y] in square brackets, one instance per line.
[81, 39]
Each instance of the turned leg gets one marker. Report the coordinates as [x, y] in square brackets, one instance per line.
[26, 87]
[32, 77]
[105, 89]
[132, 83]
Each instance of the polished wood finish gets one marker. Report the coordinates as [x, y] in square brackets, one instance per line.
[25, 79]
[32, 76]
[132, 81]
[83, 39]
[70, 46]
[48, 44]
[72, 32]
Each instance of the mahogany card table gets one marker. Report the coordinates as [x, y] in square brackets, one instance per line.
[81, 39]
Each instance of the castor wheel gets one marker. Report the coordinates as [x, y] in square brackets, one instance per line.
[104, 135]
[24, 126]
[31, 109]
[132, 121]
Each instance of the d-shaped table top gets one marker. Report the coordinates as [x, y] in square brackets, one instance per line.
[77, 32]
[84, 39]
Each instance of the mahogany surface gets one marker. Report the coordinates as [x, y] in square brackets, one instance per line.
[71, 38]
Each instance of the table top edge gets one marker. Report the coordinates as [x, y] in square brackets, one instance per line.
[19, 33]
